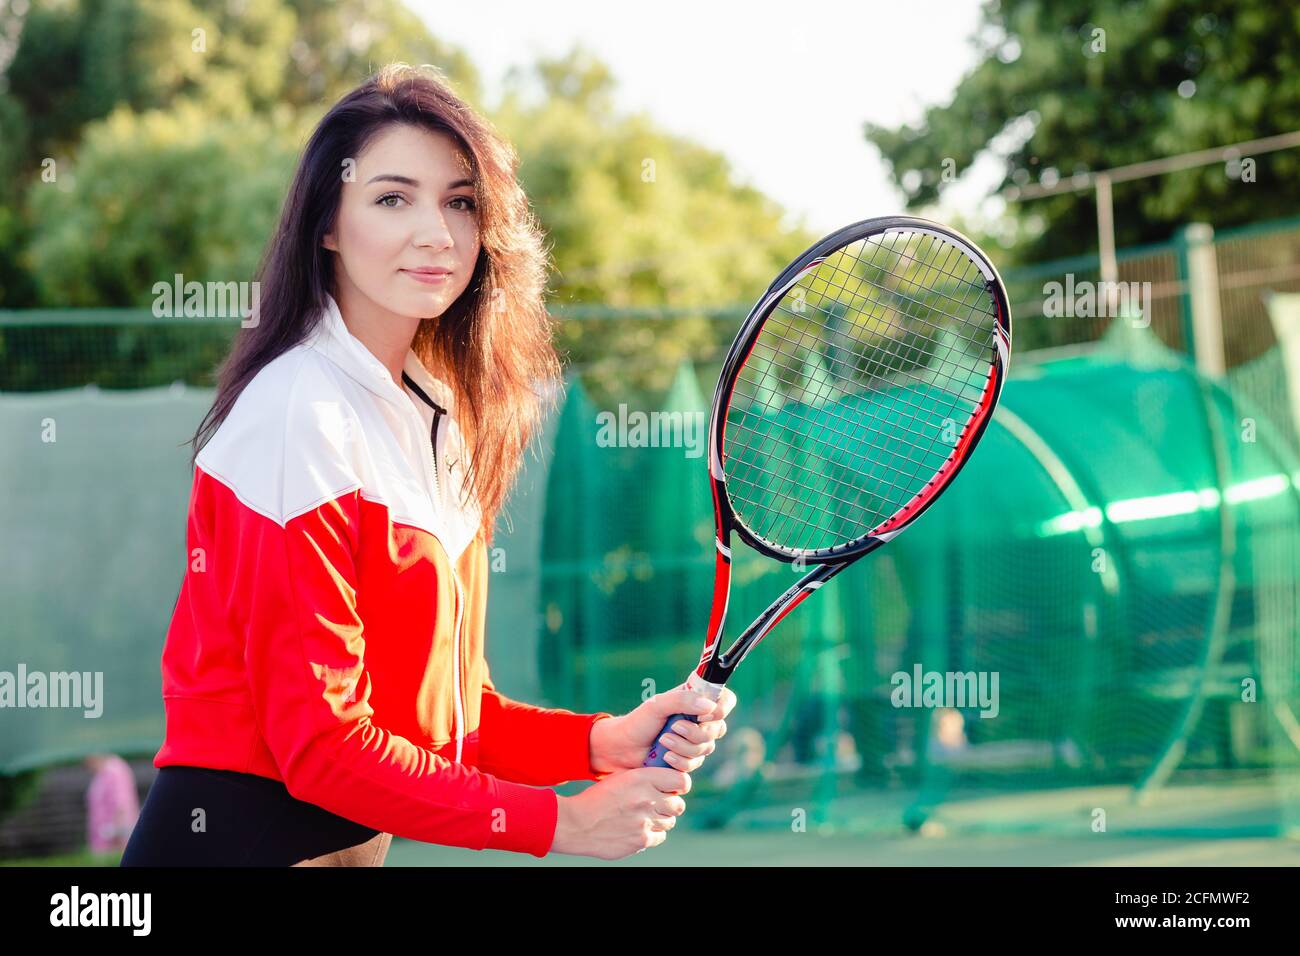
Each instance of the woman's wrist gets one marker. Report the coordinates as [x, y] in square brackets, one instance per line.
[600, 745]
[559, 842]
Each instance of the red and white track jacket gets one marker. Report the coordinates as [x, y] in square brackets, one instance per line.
[329, 629]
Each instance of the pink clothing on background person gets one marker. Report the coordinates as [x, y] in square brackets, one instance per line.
[112, 804]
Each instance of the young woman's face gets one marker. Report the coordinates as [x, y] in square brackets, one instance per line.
[407, 227]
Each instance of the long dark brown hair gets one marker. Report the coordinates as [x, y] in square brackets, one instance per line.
[495, 340]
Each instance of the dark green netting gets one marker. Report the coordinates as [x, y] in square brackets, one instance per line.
[1117, 553]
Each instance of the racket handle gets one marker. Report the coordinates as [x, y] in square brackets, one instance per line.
[657, 750]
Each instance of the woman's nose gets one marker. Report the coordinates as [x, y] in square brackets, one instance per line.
[433, 232]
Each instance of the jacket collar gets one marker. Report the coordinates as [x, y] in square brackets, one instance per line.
[436, 389]
[333, 338]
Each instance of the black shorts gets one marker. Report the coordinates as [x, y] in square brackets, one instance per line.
[194, 816]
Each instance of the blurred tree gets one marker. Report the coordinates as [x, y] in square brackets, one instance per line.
[169, 100]
[152, 194]
[339, 43]
[1068, 86]
[637, 217]
[78, 60]
[16, 284]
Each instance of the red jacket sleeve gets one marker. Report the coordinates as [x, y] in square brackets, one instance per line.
[293, 593]
[535, 745]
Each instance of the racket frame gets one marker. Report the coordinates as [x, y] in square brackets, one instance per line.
[716, 666]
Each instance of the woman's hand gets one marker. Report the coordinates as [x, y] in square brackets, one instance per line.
[622, 814]
[621, 743]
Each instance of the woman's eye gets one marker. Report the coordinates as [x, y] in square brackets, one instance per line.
[383, 200]
[467, 204]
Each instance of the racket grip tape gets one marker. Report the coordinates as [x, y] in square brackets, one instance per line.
[657, 749]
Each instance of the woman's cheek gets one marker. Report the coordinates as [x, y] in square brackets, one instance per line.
[376, 240]
[466, 270]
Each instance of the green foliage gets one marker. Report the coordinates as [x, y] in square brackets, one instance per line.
[16, 283]
[637, 217]
[156, 193]
[338, 44]
[149, 137]
[1097, 84]
[79, 60]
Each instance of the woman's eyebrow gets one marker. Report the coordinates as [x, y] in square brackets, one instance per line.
[393, 177]
[415, 183]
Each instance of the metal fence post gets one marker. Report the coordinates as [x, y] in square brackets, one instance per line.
[1202, 317]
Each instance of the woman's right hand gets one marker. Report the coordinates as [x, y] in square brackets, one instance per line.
[621, 814]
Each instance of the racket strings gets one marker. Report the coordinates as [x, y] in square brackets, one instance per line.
[893, 485]
[857, 388]
[971, 286]
[914, 470]
[775, 356]
[840, 436]
[953, 326]
[974, 374]
[917, 319]
[798, 498]
[901, 489]
[779, 327]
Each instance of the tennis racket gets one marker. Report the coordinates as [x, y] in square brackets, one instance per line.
[855, 391]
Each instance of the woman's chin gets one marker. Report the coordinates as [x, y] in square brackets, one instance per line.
[421, 304]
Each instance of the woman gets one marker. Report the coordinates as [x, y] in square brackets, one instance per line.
[323, 674]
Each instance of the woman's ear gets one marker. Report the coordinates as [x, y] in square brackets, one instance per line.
[328, 242]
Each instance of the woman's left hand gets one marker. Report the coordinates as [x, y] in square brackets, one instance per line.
[621, 743]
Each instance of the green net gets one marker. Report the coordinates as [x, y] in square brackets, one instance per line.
[1113, 557]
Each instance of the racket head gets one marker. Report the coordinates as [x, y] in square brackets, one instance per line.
[856, 389]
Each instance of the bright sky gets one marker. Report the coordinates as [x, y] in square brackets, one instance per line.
[782, 89]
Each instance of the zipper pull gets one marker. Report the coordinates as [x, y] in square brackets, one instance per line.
[433, 436]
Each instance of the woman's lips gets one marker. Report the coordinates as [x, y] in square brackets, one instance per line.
[428, 278]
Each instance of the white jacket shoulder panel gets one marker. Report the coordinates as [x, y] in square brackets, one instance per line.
[317, 422]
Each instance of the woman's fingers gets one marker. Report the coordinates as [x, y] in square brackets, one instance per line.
[685, 748]
[685, 764]
[699, 734]
[690, 731]
[723, 706]
[674, 806]
[726, 702]
[663, 823]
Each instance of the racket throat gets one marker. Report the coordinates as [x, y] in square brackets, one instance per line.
[770, 618]
[721, 600]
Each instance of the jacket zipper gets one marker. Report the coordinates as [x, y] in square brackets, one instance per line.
[458, 700]
[433, 440]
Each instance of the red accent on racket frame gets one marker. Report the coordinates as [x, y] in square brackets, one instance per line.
[721, 599]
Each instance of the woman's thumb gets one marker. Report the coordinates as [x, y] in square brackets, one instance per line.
[683, 700]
